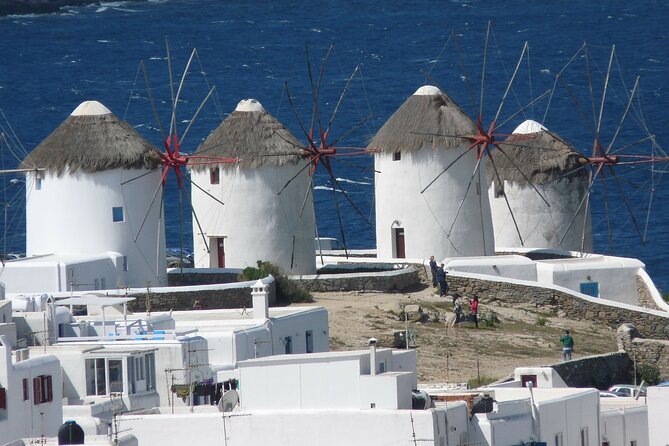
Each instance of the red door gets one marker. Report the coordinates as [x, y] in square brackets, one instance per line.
[221, 252]
[399, 243]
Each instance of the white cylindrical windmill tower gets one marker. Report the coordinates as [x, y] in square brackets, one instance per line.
[452, 216]
[254, 222]
[93, 193]
[556, 170]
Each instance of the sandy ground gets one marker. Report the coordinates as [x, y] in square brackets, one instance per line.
[524, 336]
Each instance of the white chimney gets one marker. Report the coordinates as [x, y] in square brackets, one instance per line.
[372, 355]
[260, 296]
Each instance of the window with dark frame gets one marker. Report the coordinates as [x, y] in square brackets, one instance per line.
[3, 398]
[397, 156]
[214, 175]
[42, 389]
[26, 390]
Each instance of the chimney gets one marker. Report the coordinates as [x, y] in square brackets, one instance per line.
[260, 296]
[372, 355]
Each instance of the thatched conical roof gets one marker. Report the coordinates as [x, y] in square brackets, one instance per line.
[540, 154]
[254, 136]
[418, 122]
[92, 139]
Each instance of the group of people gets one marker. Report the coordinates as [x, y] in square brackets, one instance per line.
[439, 279]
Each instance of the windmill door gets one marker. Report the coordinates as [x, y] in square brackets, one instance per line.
[400, 252]
[220, 244]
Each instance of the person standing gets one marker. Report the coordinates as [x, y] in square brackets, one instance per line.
[567, 345]
[433, 269]
[441, 278]
[474, 307]
[457, 309]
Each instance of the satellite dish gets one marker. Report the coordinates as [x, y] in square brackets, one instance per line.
[228, 401]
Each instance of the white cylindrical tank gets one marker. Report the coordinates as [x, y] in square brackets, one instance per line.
[254, 222]
[556, 170]
[94, 193]
[409, 155]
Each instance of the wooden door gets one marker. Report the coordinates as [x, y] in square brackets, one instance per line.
[400, 252]
[220, 243]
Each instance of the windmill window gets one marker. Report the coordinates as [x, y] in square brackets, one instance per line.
[397, 156]
[125, 263]
[214, 175]
[3, 398]
[38, 183]
[117, 213]
[288, 342]
[499, 190]
[309, 337]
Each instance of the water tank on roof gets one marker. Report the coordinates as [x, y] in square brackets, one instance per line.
[70, 433]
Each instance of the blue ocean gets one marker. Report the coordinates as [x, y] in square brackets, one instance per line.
[346, 67]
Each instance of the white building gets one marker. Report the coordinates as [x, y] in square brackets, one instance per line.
[30, 394]
[533, 157]
[258, 208]
[415, 219]
[94, 193]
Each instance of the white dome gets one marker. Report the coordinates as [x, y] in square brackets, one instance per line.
[529, 126]
[91, 108]
[427, 90]
[249, 105]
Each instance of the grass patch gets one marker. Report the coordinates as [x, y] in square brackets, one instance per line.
[481, 381]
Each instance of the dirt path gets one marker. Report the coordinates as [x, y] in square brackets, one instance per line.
[524, 336]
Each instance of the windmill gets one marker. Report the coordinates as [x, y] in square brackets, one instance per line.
[434, 156]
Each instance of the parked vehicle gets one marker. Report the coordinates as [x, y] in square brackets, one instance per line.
[328, 244]
[175, 256]
[628, 390]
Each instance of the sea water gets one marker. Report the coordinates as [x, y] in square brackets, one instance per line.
[387, 49]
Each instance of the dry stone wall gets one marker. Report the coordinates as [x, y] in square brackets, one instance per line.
[644, 351]
[388, 281]
[650, 325]
[197, 299]
[600, 372]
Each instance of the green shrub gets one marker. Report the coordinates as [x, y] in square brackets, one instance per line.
[648, 373]
[541, 321]
[489, 319]
[473, 383]
[287, 291]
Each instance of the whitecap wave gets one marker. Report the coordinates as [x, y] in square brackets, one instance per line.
[346, 180]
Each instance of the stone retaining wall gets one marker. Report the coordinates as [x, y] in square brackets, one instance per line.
[644, 351]
[600, 372]
[649, 325]
[388, 281]
[192, 277]
[643, 295]
[206, 299]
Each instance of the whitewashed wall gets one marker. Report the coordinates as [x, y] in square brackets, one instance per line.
[257, 223]
[427, 218]
[616, 276]
[72, 214]
[23, 418]
[658, 415]
[623, 426]
[542, 226]
[294, 427]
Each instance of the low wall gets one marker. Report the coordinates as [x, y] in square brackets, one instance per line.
[200, 276]
[644, 351]
[650, 323]
[386, 281]
[238, 296]
[600, 372]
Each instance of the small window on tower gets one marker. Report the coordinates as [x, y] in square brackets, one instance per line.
[38, 183]
[397, 156]
[117, 213]
[214, 175]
